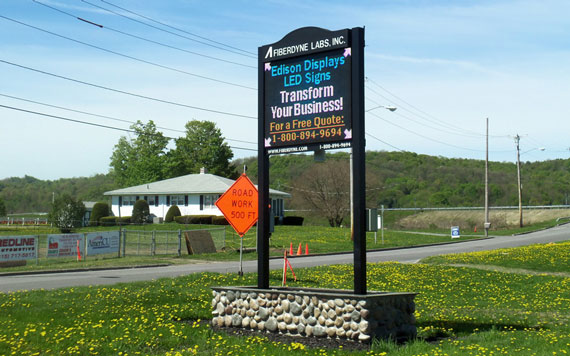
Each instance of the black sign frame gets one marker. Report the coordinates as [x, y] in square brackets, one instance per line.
[307, 83]
[306, 43]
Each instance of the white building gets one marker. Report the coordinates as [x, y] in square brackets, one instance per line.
[194, 194]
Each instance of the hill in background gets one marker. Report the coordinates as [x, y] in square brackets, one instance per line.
[394, 179]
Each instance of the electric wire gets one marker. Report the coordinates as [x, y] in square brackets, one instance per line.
[142, 38]
[94, 124]
[237, 51]
[128, 56]
[126, 92]
[423, 136]
[441, 122]
[103, 116]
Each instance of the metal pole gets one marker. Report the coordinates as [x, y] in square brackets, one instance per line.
[359, 171]
[487, 181]
[517, 140]
[382, 223]
[351, 168]
[263, 182]
[240, 273]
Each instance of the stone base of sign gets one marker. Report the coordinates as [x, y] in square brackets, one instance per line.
[312, 312]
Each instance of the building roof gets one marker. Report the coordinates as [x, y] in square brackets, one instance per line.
[202, 183]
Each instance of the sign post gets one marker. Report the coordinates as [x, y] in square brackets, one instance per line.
[311, 98]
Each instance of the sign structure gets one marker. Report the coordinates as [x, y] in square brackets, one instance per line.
[307, 85]
[455, 232]
[102, 242]
[64, 245]
[17, 248]
[239, 205]
[311, 97]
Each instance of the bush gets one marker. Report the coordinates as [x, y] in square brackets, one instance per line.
[141, 211]
[114, 220]
[293, 220]
[219, 220]
[100, 210]
[195, 219]
[172, 212]
[66, 213]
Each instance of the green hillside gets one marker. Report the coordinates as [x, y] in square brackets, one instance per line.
[406, 179]
[395, 179]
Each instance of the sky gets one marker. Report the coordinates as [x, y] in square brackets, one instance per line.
[446, 66]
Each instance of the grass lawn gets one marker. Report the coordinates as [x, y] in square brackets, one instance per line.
[460, 311]
[541, 258]
[319, 239]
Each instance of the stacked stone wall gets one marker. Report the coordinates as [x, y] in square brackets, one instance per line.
[316, 312]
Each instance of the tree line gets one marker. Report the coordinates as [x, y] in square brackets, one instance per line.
[394, 179]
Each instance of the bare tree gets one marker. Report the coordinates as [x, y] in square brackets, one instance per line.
[324, 188]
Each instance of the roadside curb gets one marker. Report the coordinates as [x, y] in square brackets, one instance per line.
[25, 273]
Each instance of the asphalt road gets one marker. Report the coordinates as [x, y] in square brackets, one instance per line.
[12, 283]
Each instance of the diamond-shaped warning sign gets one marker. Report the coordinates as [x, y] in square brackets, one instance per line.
[239, 205]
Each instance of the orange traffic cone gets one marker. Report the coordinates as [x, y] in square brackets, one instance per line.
[475, 229]
[306, 249]
[299, 250]
[291, 249]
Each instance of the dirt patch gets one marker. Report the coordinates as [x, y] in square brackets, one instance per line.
[469, 219]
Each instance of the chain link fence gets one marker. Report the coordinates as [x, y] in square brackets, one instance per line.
[126, 242]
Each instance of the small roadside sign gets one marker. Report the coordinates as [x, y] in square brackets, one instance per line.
[455, 232]
[239, 205]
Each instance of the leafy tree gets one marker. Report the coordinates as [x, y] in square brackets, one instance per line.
[66, 213]
[172, 212]
[203, 146]
[324, 188]
[2, 208]
[141, 212]
[142, 159]
[100, 210]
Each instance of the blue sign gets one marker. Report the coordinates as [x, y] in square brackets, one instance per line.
[455, 232]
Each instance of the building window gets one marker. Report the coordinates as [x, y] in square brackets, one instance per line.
[129, 200]
[177, 200]
[210, 201]
[151, 200]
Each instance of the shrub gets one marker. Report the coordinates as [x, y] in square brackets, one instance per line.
[141, 211]
[195, 219]
[100, 210]
[114, 220]
[66, 213]
[293, 220]
[172, 212]
[219, 220]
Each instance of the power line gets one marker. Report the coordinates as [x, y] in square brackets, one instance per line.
[128, 93]
[229, 48]
[94, 124]
[423, 136]
[129, 57]
[426, 116]
[103, 116]
[384, 142]
[142, 38]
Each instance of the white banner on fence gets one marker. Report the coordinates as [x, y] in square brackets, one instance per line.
[17, 248]
[64, 245]
[102, 242]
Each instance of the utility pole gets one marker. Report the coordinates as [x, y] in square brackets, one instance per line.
[517, 141]
[487, 225]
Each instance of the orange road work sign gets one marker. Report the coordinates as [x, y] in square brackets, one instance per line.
[239, 205]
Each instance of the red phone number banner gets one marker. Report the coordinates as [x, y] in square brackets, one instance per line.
[17, 248]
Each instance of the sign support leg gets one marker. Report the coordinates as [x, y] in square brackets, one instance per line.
[358, 150]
